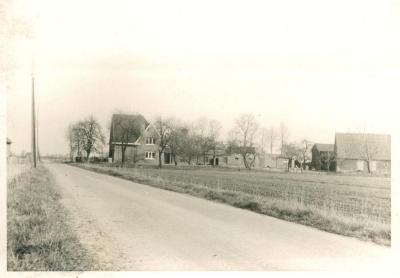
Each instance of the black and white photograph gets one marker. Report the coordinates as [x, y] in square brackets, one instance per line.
[182, 135]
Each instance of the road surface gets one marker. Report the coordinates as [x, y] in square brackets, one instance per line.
[129, 226]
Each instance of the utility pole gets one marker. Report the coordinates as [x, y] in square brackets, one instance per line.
[33, 123]
[37, 134]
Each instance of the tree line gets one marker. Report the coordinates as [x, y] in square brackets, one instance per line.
[193, 141]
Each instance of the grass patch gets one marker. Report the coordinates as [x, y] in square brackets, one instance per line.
[347, 205]
[38, 236]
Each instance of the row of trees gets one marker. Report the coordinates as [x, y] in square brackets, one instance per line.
[248, 139]
[191, 142]
[194, 141]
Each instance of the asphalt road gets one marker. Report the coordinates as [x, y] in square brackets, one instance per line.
[129, 226]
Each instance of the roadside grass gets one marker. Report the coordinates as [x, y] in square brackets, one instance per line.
[38, 236]
[346, 205]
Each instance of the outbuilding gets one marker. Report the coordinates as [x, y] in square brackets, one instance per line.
[360, 152]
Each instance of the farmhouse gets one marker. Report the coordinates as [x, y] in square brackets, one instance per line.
[323, 157]
[135, 140]
[362, 152]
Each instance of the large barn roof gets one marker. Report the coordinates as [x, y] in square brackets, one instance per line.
[358, 145]
[325, 147]
[126, 119]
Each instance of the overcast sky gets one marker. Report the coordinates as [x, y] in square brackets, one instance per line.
[319, 66]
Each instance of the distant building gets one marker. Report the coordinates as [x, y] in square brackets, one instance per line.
[282, 162]
[9, 142]
[141, 145]
[363, 152]
[234, 157]
[236, 160]
[323, 157]
[267, 160]
[216, 156]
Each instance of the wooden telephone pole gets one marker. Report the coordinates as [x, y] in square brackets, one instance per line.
[33, 123]
[37, 134]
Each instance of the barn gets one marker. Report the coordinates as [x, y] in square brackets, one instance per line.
[360, 152]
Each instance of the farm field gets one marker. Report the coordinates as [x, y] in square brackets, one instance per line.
[357, 206]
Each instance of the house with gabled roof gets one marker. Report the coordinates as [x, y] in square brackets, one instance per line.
[363, 152]
[135, 140]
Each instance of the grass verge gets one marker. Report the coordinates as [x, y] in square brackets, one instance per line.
[38, 235]
[345, 210]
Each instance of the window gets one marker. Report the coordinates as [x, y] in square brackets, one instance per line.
[360, 165]
[150, 155]
[150, 141]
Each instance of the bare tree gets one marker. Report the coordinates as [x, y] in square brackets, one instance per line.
[213, 133]
[164, 129]
[71, 142]
[75, 139]
[292, 150]
[180, 142]
[92, 134]
[368, 150]
[244, 133]
[271, 135]
[202, 138]
[206, 137]
[284, 133]
[176, 142]
[305, 152]
[263, 140]
[129, 129]
[185, 143]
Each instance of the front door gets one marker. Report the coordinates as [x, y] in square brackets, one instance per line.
[167, 158]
